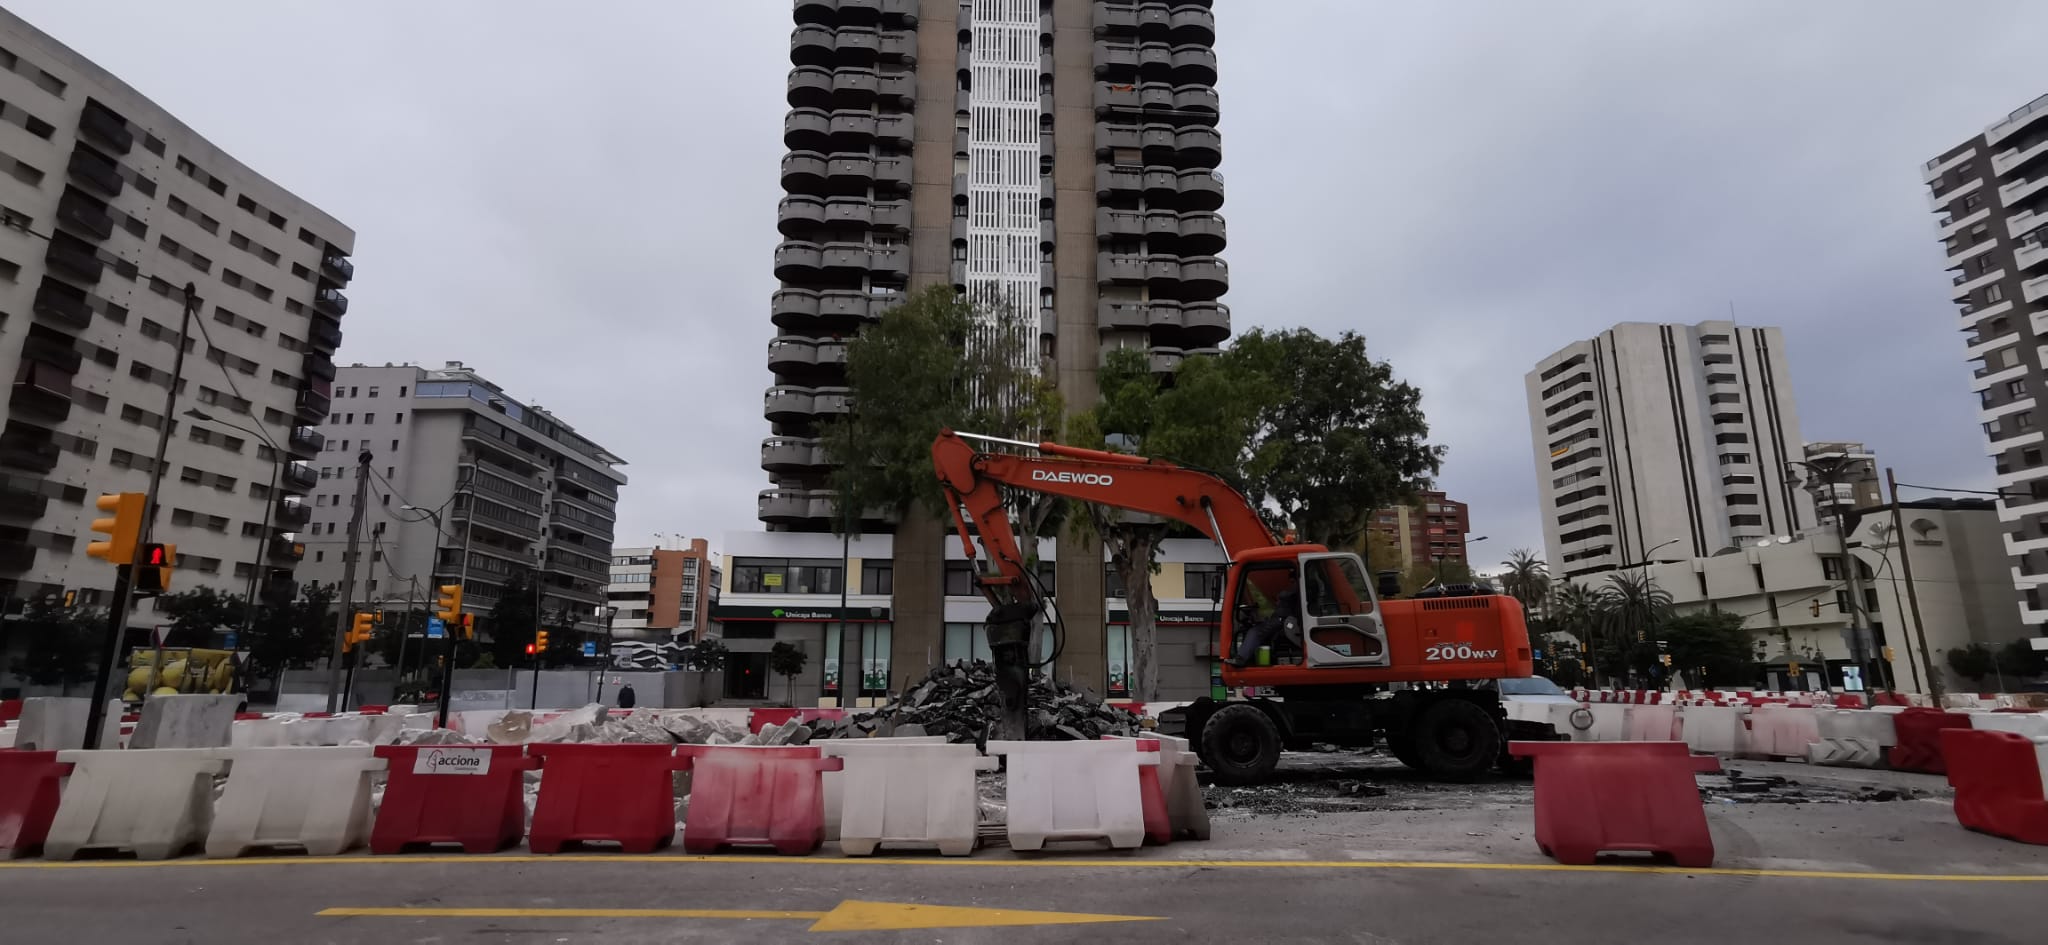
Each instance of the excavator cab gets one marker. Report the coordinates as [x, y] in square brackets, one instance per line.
[1324, 605]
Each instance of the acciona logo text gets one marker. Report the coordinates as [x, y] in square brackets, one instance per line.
[1085, 479]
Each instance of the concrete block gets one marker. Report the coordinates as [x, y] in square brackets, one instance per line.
[1715, 728]
[1074, 791]
[835, 781]
[57, 723]
[1871, 725]
[906, 793]
[2032, 725]
[195, 720]
[317, 799]
[154, 802]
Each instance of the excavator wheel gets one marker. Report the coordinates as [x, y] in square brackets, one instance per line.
[1402, 747]
[1456, 740]
[1240, 744]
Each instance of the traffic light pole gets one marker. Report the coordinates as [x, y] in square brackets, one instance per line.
[348, 581]
[110, 654]
[461, 581]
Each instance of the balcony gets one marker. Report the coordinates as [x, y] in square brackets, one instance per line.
[75, 258]
[790, 454]
[898, 46]
[849, 212]
[845, 259]
[1112, 268]
[811, 46]
[1161, 185]
[291, 513]
[1194, 65]
[2011, 159]
[807, 129]
[89, 167]
[899, 88]
[1194, 25]
[2029, 254]
[1204, 277]
[1156, 142]
[1155, 95]
[856, 46]
[850, 173]
[517, 527]
[1199, 99]
[852, 130]
[318, 366]
[1154, 17]
[1201, 190]
[892, 216]
[855, 87]
[337, 267]
[899, 130]
[1166, 360]
[792, 355]
[833, 402]
[1162, 270]
[331, 301]
[323, 333]
[1163, 316]
[52, 347]
[1115, 97]
[783, 506]
[2021, 190]
[789, 404]
[810, 87]
[1115, 60]
[1207, 324]
[1202, 233]
[22, 499]
[799, 261]
[845, 310]
[85, 213]
[794, 309]
[890, 263]
[1155, 62]
[1113, 224]
[299, 477]
[313, 406]
[63, 304]
[107, 125]
[1108, 138]
[798, 215]
[23, 446]
[285, 550]
[305, 441]
[1120, 316]
[41, 391]
[892, 173]
[803, 172]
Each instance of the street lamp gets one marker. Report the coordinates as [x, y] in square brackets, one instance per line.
[278, 459]
[461, 580]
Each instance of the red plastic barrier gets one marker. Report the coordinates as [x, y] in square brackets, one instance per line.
[1594, 797]
[758, 719]
[1919, 747]
[619, 793]
[469, 795]
[1158, 825]
[1848, 701]
[29, 788]
[755, 796]
[10, 709]
[1997, 777]
[372, 709]
[249, 716]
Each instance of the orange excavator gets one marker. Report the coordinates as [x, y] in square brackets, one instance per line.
[1332, 663]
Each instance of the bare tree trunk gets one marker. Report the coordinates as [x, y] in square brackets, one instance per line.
[1132, 551]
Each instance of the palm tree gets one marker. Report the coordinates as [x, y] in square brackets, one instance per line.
[1527, 579]
[1575, 609]
[1631, 607]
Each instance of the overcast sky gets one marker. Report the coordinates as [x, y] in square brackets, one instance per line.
[578, 200]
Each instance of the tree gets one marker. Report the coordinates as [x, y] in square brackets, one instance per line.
[63, 645]
[1336, 437]
[786, 659]
[1973, 662]
[1381, 551]
[2019, 658]
[1631, 606]
[1712, 643]
[1200, 416]
[196, 615]
[565, 639]
[1422, 574]
[702, 657]
[293, 634]
[1527, 580]
[938, 361]
[513, 620]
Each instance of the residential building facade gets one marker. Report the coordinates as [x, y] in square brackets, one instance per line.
[662, 594]
[455, 461]
[1056, 156]
[1429, 530]
[113, 211]
[1990, 195]
[1665, 442]
[1795, 600]
[1855, 484]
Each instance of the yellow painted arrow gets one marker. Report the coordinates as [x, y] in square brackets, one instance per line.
[850, 916]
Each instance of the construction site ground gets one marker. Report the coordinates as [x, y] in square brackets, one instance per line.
[1344, 848]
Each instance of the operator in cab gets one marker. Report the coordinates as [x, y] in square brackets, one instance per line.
[1285, 618]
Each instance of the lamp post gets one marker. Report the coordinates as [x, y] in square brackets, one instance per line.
[1829, 472]
[461, 580]
[279, 458]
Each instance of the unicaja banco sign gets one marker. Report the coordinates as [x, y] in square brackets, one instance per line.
[1083, 479]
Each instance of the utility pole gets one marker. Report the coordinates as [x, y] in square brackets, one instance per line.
[533, 702]
[117, 615]
[412, 598]
[462, 582]
[1934, 686]
[348, 578]
[1828, 472]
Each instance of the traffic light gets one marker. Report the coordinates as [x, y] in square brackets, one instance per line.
[153, 565]
[1664, 658]
[121, 530]
[469, 626]
[1887, 654]
[540, 639]
[1816, 608]
[359, 631]
[449, 606]
[529, 649]
[1792, 669]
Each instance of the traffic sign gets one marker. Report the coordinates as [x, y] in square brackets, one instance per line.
[435, 628]
[590, 648]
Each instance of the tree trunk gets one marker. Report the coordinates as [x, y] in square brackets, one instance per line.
[1133, 559]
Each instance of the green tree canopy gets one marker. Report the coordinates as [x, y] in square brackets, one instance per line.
[787, 660]
[1527, 580]
[1713, 643]
[63, 646]
[196, 614]
[1337, 436]
[513, 620]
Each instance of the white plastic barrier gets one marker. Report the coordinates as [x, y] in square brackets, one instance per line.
[1186, 808]
[1871, 725]
[1844, 752]
[56, 723]
[905, 794]
[257, 733]
[314, 798]
[153, 801]
[1715, 728]
[1074, 791]
[834, 781]
[2032, 725]
[1651, 723]
[1610, 723]
[1781, 731]
[7, 733]
[185, 720]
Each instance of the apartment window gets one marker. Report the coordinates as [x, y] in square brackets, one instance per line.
[959, 579]
[2031, 456]
[2024, 420]
[1831, 567]
[2016, 389]
[1741, 520]
[398, 418]
[369, 418]
[1972, 202]
[1203, 582]
[1994, 293]
[373, 391]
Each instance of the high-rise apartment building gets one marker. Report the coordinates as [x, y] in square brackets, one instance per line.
[1854, 479]
[1664, 442]
[455, 461]
[112, 208]
[1991, 195]
[1431, 529]
[1059, 155]
[662, 594]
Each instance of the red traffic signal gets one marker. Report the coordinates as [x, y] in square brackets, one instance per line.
[529, 649]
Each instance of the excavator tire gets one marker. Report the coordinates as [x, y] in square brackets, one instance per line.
[1456, 740]
[1402, 747]
[1240, 744]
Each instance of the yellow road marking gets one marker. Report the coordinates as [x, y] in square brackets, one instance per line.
[1077, 863]
[853, 915]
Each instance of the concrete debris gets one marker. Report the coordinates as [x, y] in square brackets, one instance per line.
[960, 701]
[1734, 787]
[436, 736]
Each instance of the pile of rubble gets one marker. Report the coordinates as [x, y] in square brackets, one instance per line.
[960, 701]
[593, 724]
